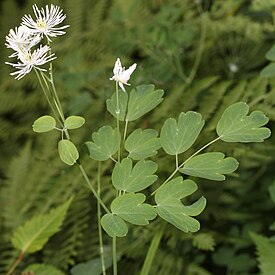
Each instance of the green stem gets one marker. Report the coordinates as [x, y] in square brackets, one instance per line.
[16, 263]
[117, 121]
[47, 97]
[114, 257]
[58, 103]
[101, 249]
[177, 169]
[152, 251]
[125, 130]
[200, 48]
[92, 188]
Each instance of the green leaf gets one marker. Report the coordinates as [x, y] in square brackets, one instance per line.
[67, 152]
[105, 143]
[142, 100]
[210, 166]
[270, 55]
[114, 225]
[92, 267]
[170, 208]
[131, 208]
[142, 144]
[204, 241]
[268, 71]
[266, 253]
[125, 177]
[236, 126]
[112, 105]
[44, 124]
[42, 269]
[34, 234]
[74, 122]
[177, 137]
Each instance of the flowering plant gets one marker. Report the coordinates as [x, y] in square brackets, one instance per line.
[132, 170]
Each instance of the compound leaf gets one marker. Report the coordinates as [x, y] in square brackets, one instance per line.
[170, 208]
[34, 234]
[105, 143]
[142, 144]
[142, 100]
[236, 126]
[210, 166]
[44, 124]
[177, 137]
[131, 208]
[114, 225]
[125, 177]
[67, 151]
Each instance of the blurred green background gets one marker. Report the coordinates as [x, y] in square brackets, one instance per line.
[206, 55]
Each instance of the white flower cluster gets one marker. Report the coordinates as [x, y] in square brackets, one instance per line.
[30, 34]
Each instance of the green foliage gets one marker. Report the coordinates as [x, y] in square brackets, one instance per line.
[74, 122]
[170, 208]
[142, 100]
[111, 103]
[125, 177]
[175, 137]
[236, 126]
[114, 225]
[210, 166]
[105, 143]
[131, 208]
[265, 252]
[43, 269]
[67, 151]
[204, 241]
[44, 124]
[142, 144]
[271, 190]
[92, 267]
[34, 234]
[163, 38]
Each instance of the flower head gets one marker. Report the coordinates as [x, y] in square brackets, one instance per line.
[121, 75]
[46, 21]
[30, 60]
[21, 39]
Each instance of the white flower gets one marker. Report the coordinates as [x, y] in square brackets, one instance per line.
[30, 60]
[21, 40]
[121, 75]
[46, 20]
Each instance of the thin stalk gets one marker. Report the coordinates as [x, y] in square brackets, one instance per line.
[114, 257]
[200, 47]
[16, 263]
[55, 94]
[177, 161]
[177, 169]
[101, 249]
[47, 97]
[117, 121]
[125, 130]
[92, 188]
[152, 251]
